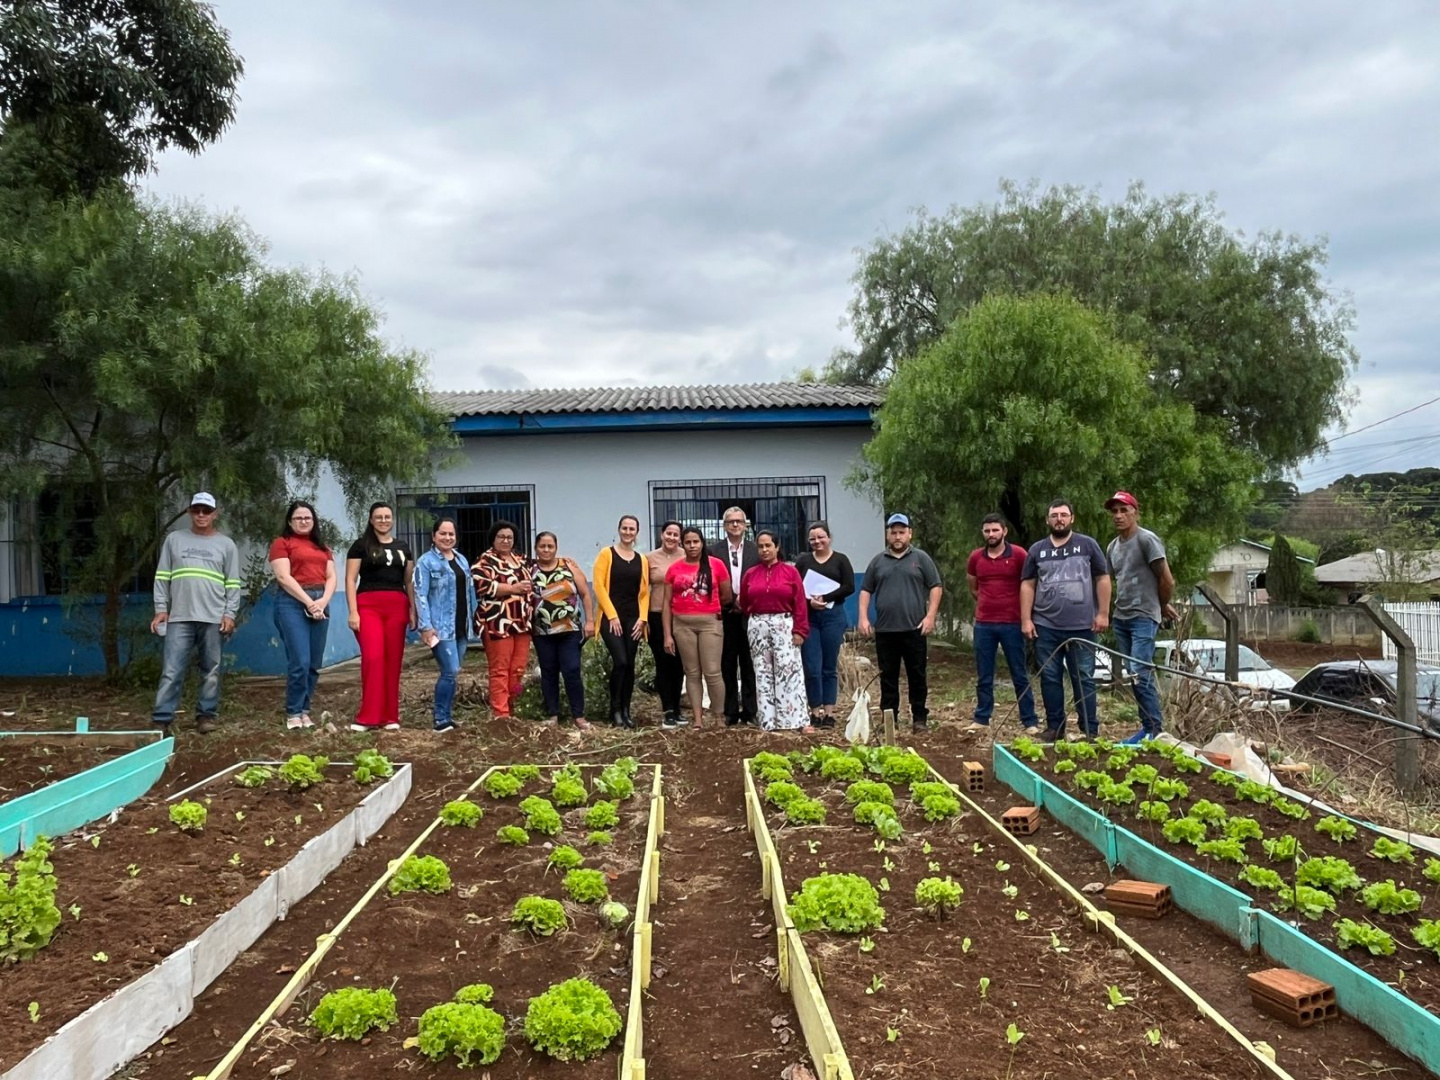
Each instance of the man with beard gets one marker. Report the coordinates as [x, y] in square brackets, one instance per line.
[993, 574]
[1064, 596]
[905, 585]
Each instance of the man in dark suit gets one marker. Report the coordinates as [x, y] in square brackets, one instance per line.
[738, 554]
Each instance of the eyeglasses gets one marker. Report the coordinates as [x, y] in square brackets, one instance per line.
[297, 518]
[202, 509]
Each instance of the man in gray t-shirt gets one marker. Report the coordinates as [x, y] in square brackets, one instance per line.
[1143, 586]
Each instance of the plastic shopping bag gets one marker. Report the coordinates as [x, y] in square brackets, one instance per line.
[857, 727]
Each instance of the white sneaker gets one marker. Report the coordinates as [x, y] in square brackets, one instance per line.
[294, 723]
[1033, 729]
[358, 727]
[975, 729]
[392, 727]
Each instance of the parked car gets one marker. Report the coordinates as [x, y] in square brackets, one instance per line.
[1367, 684]
[1206, 658]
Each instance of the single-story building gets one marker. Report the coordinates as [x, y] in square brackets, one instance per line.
[1237, 572]
[567, 461]
[1415, 574]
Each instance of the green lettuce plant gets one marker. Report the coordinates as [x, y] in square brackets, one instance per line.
[1312, 903]
[255, 776]
[1167, 790]
[1350, 934]
[538, 914]
[1337, 828]
[568, 788]
[1065, 765]
[371, 765]
[565, 857]
[1207, 811]
[1116, 794]
[1254, 792]
[1243, 828]
[904, 768]
[941, 807]
[189, 816]
[1431, 872]
[1122, 757]
[512, 834]
[867, 812]
[1228, 849]
[1328, 872]
[472, 1034]
[805, 812]
[1185, 830]
[302, 772]
[1427, 935]
[844, 903]
[421, 873]
[526, 774]
[475, 994]
[602, 814]
[599, 838]
[1183, 762]
[782, 793]
[878, 791]
[1153, 811]
[1396, 851]
[29, 915]
[843, 768]
[1281, 848]
[1224, 779]
[1089, 779]
[1027, 749]
[586, 886]
[938, 895]
[1389, 899]
[540, 815]
[1262, 877]
[770, 767]
[1290, 808]
[461, 812]
[1142, 774]
[573, 1021]
[352, 1013]
[614, 783]
[614, 914]
[502, 784]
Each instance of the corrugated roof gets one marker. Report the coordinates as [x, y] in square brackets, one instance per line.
[658, 399]
[1416, 567]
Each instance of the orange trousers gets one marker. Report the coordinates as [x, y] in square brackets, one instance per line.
[507, 658]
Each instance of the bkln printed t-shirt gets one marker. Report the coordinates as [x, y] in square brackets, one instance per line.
[1065, 577]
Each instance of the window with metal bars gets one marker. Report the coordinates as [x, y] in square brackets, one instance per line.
[786, 505]
[475, 511]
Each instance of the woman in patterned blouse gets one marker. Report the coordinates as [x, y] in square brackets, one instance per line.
[506, 593]
[564, 605]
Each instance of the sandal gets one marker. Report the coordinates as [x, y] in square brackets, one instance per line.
[581, 724]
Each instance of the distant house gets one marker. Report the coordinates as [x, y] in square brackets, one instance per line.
[1237, 572]
[1415, 574]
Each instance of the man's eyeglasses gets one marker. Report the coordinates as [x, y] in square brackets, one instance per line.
[202, 509]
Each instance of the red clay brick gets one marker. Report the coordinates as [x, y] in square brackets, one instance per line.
[1220, 760]
[974, 776]
[1299, 1012]
[1021, 820]
[1145, 899]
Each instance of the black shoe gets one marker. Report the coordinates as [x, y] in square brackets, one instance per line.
[617, 718]
[919, 725]
[732, 721]
[670, 721]
[822, 721]
[629, 723]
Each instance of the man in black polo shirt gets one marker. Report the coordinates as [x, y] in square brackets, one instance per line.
[905, 585]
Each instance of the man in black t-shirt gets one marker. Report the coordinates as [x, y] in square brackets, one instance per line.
[905, 586]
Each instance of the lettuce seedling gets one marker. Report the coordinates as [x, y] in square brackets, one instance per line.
[941, 807]
[1183, 762]
[352, 1013]
[1207, 811]
[938, 895]
[1168, 790]
[878, 791]
[1427, 935]
[475, 994]
[569, 790]
[1142, 774]
[842, 768]
[502, 784]
[1243, 828]
[1262, 877]
[1117, 794]
[1186, 830]
[1082, 751]
[602, 815]
[302, 772]
[1312, 903]
[1153, 811]
[1027, 749]
[461, 812]
[614, 914]
[599, 838]
[565, 857]
[614, 784]
[29, 915]
[473, 1034]
[1432, 871]
[1121, 758]
[421, 873]
[1254, 792]
[189, 816]
[1088, 779]
[844, 903]
[1388, 899]
[1282, 848]
[888, 826]
[771, 767]
[1350, 934]
[255, 776]
[1224, 779]
[904, 768]
[1065, 765]
[1328, 872]
[512, 834]
[867, 812]
[528, 774]
[1290, 808]
[805, 812]
[586, 886]
[371, 765]
[538, 914]
[782, 793]
[540, 815]
[1337, 828]
[1396, 851]
[572, 1021]
[1228, 849]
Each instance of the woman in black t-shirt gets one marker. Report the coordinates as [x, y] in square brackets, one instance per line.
[381, 596]
[820, 651]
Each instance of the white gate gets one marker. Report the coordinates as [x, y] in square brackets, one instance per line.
[1422, 623]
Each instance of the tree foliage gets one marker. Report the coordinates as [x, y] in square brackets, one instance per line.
[147, 351]
[106, 85]
[1245, 331]
[1028, 399]
[1283, 582]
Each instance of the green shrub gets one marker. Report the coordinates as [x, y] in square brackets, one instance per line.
[904, 768]
[540, 815]
[844, 903]
[502, 784]
[602, 815]
[421, 873]
[189, 816]
[1337, 828]
[371, 765]
[878, 791]
[565, 857]
[1309, 633]
[475, 994]
[941, 807]
[538, 914]
[29, 915]
[352, 1013]
[473, 1034]
[1386, 898]
[461, 812]
[573, 1021]
[512, 834]
[586, 886]
[1350, 934]
[805, 812]
[842, 768]
[255, 776]
[302, 772]
[599, 838]
[782, 793]
[938, 895]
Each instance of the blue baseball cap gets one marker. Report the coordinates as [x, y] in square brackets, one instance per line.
[897, 519]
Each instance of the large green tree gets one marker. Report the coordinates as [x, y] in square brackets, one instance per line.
[1028, 399]
[147, 351]
[106, 85]
[1246, 331]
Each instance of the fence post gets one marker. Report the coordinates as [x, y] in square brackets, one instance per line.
[1232, 631]
[1407, 755]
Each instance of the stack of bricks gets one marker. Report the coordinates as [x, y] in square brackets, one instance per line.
[974, 776]
[1021, 820]
[1143, 899]
[1296, 999]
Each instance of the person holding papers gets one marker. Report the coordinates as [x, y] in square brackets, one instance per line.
[829, 580]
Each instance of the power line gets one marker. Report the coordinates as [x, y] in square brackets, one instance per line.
[1387, 419]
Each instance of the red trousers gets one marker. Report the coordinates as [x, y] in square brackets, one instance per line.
[507, 658]
[384, 617]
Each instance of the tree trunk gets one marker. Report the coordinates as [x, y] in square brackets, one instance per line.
[1012, 510]
[110, 629]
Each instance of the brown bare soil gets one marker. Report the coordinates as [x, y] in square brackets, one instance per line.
[27, 767]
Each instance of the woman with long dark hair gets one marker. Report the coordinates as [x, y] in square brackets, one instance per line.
[622, 589]
[696, 588]
[506, 591]
[304, 572]
[564, 606]
[669, 671]
[829, 580]
[773, 599]
[381, 596]
[444, 613]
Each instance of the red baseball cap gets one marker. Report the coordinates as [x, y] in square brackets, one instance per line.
[1121, 497]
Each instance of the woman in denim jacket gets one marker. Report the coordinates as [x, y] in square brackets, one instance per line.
[441, 577]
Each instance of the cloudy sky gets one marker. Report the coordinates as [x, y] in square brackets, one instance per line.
[568, 194]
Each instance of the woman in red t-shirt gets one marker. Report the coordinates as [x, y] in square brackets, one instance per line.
[304, 570]
[695, 589]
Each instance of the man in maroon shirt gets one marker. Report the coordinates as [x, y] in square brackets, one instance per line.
[993, 574]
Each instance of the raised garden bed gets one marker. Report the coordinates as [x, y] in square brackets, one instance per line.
[1255, 864]
[151, 914]
[425, 947]
[906, 997]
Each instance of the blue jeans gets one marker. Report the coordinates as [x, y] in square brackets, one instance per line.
[820, 653]
[1136, 637]
[304, 640]
[1007, 637]
[181, 639]
[1080, 661]
[559, 656]
[448, 654]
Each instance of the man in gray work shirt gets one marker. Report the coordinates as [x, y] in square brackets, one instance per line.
[197, 596]
[1143, 587]
[905, 585]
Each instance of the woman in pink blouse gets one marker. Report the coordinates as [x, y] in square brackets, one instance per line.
[773, 597]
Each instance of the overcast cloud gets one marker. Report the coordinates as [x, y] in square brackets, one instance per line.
[571, 194]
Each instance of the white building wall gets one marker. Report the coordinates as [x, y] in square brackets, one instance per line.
[584, 481]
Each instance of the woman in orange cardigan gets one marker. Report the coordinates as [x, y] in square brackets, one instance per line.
[622, 589]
